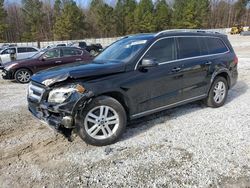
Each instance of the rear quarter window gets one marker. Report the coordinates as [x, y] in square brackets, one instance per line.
[216, 45]
[188, 47]
[78, 52]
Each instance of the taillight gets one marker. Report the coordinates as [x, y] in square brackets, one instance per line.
[236, 60]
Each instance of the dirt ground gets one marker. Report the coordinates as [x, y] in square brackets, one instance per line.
[188, 146]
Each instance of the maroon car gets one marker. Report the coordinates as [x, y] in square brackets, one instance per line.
[22, 70]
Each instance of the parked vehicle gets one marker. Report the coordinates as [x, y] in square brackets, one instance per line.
[236, 30]
[22, 70]
[4, 46]
[134, 77]
[16, 53]
[56, 45]
[93, 49]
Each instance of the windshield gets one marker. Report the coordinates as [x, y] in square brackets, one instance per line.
[38, 54]
[122, 50]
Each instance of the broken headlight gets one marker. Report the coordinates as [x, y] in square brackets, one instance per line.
[59, 95]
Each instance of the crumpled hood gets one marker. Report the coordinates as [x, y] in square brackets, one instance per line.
[77, 70]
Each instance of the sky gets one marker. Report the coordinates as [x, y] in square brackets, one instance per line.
[83, 3]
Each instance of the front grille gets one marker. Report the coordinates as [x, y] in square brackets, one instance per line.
[35, 92]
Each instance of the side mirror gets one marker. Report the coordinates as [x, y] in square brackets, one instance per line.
[42, 58]
[147, 63]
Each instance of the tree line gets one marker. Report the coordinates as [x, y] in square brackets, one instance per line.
[43, 20]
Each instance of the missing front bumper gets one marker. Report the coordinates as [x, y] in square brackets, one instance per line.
[7, 75]
[52, 119]
[60, 117]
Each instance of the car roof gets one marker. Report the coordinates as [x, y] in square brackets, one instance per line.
[62, 47]
[178, 32]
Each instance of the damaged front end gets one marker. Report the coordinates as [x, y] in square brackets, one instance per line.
[58, 106]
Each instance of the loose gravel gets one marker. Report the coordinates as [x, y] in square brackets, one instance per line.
[188, 146]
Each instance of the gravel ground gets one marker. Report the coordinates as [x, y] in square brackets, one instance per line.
[188, 146]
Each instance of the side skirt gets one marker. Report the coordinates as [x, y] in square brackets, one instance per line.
[148, 112]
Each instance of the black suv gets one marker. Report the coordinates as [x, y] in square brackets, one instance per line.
[134, 77]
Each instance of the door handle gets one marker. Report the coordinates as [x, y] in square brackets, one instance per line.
[208, 63]
[58, 61]
[79, 59]
[177, 69]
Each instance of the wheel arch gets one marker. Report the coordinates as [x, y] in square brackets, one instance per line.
[223, 73]
[14, 72]
[121, 98]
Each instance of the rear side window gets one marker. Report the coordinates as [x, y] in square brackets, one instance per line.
[216, 46]
[188, 47]
[31, 50]
[203, 46]
[61, 45]
[162, 51]
[21, 50]
[78, 52]
[71, 52]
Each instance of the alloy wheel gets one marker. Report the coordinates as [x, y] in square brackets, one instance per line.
[23, 76]
[219, 92]
[101, 122]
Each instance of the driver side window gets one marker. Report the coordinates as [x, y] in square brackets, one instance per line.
[6, 51]
[162, 51]
[51, 54]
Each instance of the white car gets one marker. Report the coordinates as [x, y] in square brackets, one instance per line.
[56, 45]
[19, 53]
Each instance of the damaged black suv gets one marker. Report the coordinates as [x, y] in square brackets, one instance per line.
[136, 76]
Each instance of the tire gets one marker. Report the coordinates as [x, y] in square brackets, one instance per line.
[23, 76]
[92, 128]
[221, 85]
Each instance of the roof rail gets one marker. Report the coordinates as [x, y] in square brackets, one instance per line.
[186, 30]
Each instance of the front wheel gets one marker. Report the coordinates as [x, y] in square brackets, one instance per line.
[102, 122]
[23, 76]
[218, 93]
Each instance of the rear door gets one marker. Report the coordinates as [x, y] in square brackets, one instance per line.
[71, 55]
[21, 53]
[193, 53]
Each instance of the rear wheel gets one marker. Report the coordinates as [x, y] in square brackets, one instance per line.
[23, 76]
[102, 122]
[218, 93]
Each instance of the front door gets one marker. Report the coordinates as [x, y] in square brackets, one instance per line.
[5, 55]
[157, 87]
[49, 59]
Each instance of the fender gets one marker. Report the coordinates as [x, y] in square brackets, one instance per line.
[220, 71]
[81, 103]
